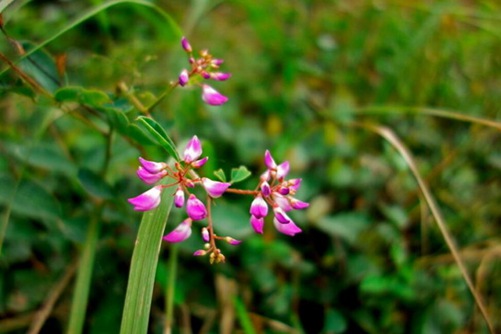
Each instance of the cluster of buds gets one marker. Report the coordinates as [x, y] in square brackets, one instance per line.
[273, 190]
[205, 67]
[185, 178]
[278, 193]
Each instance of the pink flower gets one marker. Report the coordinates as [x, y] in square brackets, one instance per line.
[186, 45]
[199, 163]
[282, 170]
[259, 208]
[290, 228]
[281, 216]
[152, 166]
[214, 189]
[193, 150]
[268, 160]
[205, 234]
[220, 76]
[232, 241]
[183, 77]
[257, 224]
[179, 198]
[212, 96]
[195, 208]
[180, 233]
[149, 178]
[147, 200]
[265, 189]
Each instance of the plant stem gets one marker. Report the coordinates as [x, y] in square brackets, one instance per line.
[171, 287]
[84, 275]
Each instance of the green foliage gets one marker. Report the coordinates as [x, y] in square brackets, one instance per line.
[309, 79]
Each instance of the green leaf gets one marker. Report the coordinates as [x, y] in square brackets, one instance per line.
[220, 175]
[156, 131]
[143, 267]
[91, 97]
[30, 199]
[118, 119]
[239, 174]
[40, 66]
[94, 184]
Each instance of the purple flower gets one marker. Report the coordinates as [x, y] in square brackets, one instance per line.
[184, 77]
[149, 178]
[290, 229]
[179, 198]
[259, 208]
[152, 166]
[200, 252]
[195, 208]
[205, 234]
[257, 224]
[220, 76]
[265, 189]
[232, 241]
[193, 150]
[282, 170]
[216, 62]
[297, 204]
[180, 233]
[186, 45]
[268, 160]
[212, 96]
[281, 216]
[199, 163]
[214, 188]
[147, 200]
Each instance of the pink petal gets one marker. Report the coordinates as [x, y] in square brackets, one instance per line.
[180, 233]
[259, 208]
[147, 200]
[268, 160]
[186, 45]
[179, 198]
[183, 77]
[149, 178]
[212, 96]
[290, 229]
[193, 150]
[281, 216]
[195, 208]
[215, 188]
[152, 166]
[257, 224]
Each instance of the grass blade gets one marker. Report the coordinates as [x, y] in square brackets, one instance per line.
[390, 136]
[96, 11]
[136, 313]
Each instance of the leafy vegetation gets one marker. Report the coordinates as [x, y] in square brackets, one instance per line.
[388, 110]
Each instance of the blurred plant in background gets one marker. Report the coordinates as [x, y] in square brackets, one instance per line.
[359, 97]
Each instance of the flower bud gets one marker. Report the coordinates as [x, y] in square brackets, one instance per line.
[193, 150]
[212, 96]
[184, 77]
[147, 200]
[195, 208]
[259, 208]
[180, 233]
[186, 45]
[179, 198]
[214, 188]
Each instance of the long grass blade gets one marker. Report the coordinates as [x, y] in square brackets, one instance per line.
[454, 115]
[390, 136]
[136, 313]
[96, 11]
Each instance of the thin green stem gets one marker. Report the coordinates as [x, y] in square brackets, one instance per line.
[84, 275]
[171, 287]
[162, 96]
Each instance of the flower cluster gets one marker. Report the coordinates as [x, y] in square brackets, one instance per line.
[205, 67]
[278, 193]
[273, 190]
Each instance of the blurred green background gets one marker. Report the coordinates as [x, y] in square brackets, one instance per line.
[307, 77]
